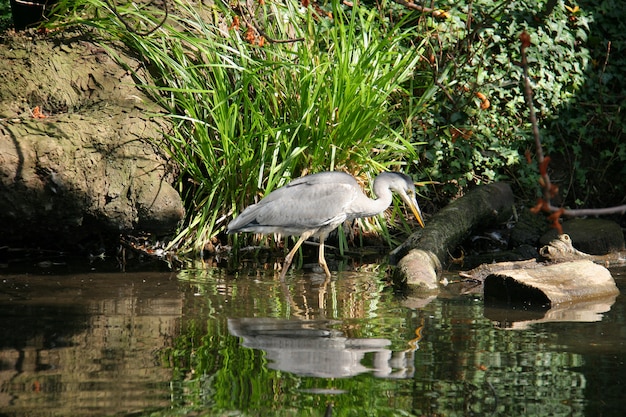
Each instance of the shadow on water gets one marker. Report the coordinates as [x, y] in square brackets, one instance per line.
[202, 342]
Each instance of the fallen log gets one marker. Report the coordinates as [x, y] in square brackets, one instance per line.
[419, 269]
[549, 285]
[562, 249]
[565, 275]
[420, 258]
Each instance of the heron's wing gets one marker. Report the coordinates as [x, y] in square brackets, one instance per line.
[308, 203]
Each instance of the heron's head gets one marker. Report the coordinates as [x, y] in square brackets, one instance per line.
[404, 186]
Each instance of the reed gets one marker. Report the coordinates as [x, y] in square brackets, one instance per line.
[250, 114]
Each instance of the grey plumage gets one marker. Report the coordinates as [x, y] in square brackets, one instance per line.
[314, 205]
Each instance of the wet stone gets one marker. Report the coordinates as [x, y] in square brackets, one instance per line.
[592, 236]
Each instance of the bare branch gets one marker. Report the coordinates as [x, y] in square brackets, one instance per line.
[528, 95]
[547, 187]
[590, 212]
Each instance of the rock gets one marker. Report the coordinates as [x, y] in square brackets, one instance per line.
[528, 229]
[592, 236]
[77, 146]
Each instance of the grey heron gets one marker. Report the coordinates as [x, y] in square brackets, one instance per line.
[314, 205]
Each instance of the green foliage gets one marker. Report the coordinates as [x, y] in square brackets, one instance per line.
[476, 58]
[375, 87]
[577, 94]
[250, 118]
[5, 15]
[589, 131]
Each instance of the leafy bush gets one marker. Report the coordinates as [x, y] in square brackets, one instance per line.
[252, 113]
[5, 15]
[588, 132]
[267, 92]
[577, 98]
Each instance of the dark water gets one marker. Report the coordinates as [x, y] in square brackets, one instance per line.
[203, 343]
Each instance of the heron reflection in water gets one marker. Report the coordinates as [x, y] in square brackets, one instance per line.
[315, 205]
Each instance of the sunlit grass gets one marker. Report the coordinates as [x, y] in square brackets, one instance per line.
[250, 114]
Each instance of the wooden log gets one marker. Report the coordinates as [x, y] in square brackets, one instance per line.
[482, 206]
[419, 269]
[550, 285]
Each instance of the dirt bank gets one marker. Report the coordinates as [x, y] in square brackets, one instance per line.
[77, 154]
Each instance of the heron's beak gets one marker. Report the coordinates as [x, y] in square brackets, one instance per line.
[417, 213]
[415, 208]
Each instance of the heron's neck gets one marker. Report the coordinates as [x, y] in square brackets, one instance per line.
[370, 207]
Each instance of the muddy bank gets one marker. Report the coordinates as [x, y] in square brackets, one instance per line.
[77, 153]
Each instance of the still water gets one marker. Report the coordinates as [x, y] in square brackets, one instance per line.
[200, 342]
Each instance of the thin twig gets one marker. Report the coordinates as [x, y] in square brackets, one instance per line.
[251, 22]
[272, 40]
[413, 6]
[528, 95]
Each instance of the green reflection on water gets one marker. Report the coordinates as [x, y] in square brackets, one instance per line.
[443, 359]
[205, 343]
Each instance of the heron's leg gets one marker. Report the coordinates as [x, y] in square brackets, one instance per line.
[322, 259]
[292, 252]
[322, 262]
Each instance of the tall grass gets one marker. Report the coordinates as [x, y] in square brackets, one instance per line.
[248, 118]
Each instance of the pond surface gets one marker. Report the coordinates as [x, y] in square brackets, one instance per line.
[205, 343]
